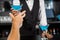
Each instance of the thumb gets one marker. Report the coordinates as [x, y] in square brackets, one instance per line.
[11, 15]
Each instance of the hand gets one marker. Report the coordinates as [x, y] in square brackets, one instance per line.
[17, 18]
[43, 34]
[49, 35]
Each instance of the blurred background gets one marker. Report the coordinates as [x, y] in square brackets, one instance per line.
[52, 8]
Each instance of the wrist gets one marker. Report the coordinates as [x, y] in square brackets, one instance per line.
[15, 29]
[15, 26]
[15, 23]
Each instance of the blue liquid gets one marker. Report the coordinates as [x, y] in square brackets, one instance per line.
[16, 7]
[43, 28]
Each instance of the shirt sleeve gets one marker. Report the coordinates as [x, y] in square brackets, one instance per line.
[42, 12]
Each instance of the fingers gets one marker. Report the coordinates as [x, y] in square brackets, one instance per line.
[24, 11]
[23, 14]
[49, 35]
[14, 12]
[11, 15]
[12, 9]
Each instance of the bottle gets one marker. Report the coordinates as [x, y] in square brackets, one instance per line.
[16, 5]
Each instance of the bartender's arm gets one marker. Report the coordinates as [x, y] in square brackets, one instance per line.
[17, 21]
